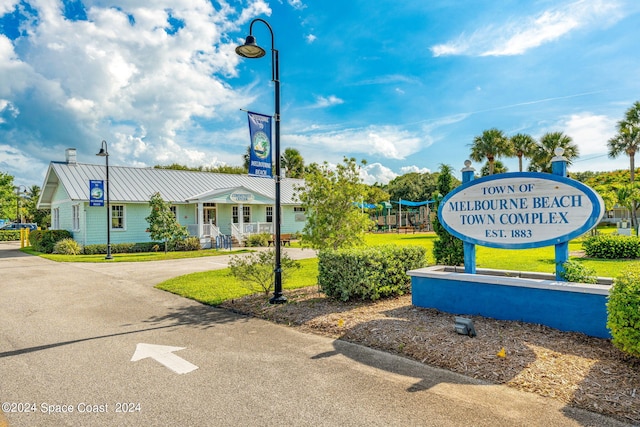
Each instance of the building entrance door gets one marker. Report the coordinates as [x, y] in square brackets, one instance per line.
[210, 215]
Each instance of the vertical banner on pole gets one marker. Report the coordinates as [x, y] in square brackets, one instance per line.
[260, 156]
[96, 193]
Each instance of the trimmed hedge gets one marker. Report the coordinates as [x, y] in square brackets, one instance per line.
[9, 235]
[623, 310]
[45, 240]
[123, 248]
[370, 273]
[611, 246]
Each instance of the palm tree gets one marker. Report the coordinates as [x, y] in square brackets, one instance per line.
[544, 152]
[498, 167]
[292, 160]
[491, 144]
[627, 141]
[523, 146]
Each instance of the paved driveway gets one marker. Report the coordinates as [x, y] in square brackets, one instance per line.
[72, 353]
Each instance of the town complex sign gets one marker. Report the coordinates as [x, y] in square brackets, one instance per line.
[520, 210]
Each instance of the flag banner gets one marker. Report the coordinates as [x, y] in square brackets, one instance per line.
[96, 193]
[260, 156]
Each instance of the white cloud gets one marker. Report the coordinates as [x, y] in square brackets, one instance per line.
[311, 38]
[390, 142]
[521, 34]
[7, 6]
[134, 85]
[590, 132]
[376, 172]
[297, 4]
[323, 102]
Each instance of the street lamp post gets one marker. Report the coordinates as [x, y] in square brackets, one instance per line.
[250, 49]
[105, 153]
[18, 187]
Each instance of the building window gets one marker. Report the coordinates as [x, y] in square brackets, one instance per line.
[299, 214]
[246, 214]
[117, 217]
[174, 211]
[269, 213]
[75, 216]
[55, 219]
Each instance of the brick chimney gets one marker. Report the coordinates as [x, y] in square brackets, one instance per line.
[70, 154]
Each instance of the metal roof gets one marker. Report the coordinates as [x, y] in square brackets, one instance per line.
[137, 185]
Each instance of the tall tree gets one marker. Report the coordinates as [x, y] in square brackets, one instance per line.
[7, 196]
[413, 186]
[523, 146]
[292, 160]
[490, 145]
[31, 213]
[333, 219]
[545, 151]
[627, 141]
[163, 225]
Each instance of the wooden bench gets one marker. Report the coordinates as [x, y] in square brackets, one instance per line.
[285, 239]
[407, 228]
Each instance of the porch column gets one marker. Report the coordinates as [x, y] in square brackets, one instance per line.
[200, 218]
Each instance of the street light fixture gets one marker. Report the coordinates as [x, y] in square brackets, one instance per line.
[250, 49]
[17, 188]
[105, 153]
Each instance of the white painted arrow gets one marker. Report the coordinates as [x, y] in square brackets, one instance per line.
[164, 354]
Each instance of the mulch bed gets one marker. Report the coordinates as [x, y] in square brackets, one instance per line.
[585, 372]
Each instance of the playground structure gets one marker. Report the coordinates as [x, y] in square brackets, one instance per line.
[404, 217]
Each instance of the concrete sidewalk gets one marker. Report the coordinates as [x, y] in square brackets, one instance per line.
[69, 330]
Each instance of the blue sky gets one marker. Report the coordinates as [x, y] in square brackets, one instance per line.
[405, 85]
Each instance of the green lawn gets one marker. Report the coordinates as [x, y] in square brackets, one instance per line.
[214, 287]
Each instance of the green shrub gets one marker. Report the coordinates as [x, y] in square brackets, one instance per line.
[579, 273]
[623, 310]
[188, 244]
[9, 235]
[67, 247]
[255, 271]
[611, 246]
[256, 240]
[44, 240]
[370, 273]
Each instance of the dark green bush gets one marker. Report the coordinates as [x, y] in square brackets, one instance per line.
[623, 310]
[611, 246]
[45, 240]
[255, 240]
[121, 248]
[370, 273]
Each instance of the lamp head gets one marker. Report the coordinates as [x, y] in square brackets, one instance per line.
[102, 152]
[250, 48]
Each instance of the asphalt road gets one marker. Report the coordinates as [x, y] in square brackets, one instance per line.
[69, 332]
